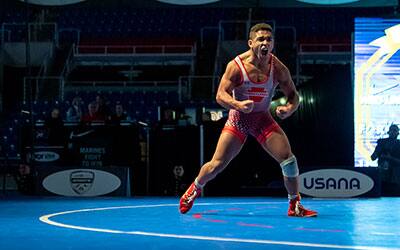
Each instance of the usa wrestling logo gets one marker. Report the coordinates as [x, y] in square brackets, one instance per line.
[81, 181]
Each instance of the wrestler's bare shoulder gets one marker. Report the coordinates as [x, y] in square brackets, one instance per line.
[278, 63]
[244, 56]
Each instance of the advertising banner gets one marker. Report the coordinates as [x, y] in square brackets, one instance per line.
[340, 182]
[83, 182]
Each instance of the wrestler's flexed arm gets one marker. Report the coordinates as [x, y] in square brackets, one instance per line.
[229, 81]
[287, 86]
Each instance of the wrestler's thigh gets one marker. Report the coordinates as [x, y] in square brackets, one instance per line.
[228, 146]
[277, 145]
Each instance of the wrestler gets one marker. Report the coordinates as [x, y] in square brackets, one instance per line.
[246, 89]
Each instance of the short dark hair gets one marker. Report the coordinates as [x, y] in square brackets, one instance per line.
[257, 27]
[394, 128]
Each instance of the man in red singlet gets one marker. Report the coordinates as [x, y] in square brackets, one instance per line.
[246, 89]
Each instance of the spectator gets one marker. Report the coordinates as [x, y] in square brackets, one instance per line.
[119, 114]
[55, 128]
[387, 152]
[25, 179]
[74, 113]
[92, 115]
[102, 109]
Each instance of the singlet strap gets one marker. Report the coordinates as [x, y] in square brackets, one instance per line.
[242, 68]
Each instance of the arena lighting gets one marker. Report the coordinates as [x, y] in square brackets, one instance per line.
[188, 2]
[328, 2]
[52, 2]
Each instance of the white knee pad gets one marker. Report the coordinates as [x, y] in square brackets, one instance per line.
[289, 167]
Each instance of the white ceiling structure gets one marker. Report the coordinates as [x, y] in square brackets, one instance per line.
[188, 2]
[231, 3]
[328, 2]
[52, 2]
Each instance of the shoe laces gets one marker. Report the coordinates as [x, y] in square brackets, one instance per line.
[299, 209]
[191, 194]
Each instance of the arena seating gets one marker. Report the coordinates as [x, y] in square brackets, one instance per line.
[130, 25]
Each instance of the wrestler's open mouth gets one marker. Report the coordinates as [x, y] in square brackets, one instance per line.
[264, 51]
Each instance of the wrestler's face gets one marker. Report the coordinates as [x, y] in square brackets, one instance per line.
[262, 43]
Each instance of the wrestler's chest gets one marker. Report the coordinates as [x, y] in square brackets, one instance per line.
[257, 75]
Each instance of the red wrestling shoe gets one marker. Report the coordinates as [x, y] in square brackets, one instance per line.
[187, 199]
[297, 210]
